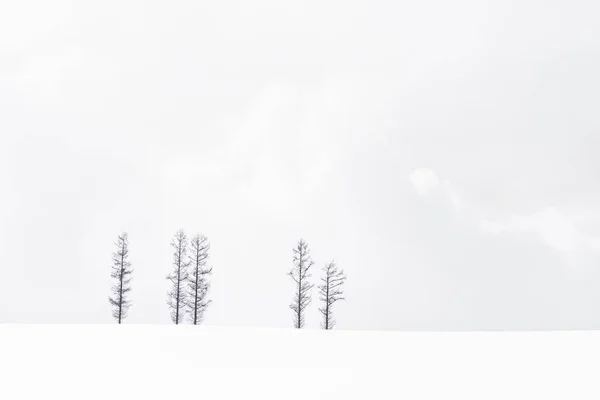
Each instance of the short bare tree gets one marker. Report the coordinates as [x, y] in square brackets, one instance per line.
[176, 296]
[121, 274]
[300, 274]
[330, 292]
[198, 284]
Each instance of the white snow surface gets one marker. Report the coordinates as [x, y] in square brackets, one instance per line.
[176, 362]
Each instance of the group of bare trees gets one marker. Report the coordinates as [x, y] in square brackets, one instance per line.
[330, 289]
[188, 295]
[189, 278]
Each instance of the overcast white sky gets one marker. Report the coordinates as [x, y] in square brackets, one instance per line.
[443, 153]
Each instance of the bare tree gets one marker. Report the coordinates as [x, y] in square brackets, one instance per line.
[300, 274]
[330, 291]
[121, 274]
[198, 284]
[178, 277]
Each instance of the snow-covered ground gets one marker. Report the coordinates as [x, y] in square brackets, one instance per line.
[184, 362]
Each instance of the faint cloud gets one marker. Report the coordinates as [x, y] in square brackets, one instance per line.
[557, 228]
[560, 228]
[552, 226]
[452, 194]
[425, 181]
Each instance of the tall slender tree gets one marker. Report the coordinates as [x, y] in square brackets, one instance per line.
[330, 292]
[176, 296]
[198, 284]
[121, 274]
[300, 274]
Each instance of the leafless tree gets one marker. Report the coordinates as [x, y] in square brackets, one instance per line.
[330, 291]
[178, 277]
[121, 274]
[300, 274]
[198, 284]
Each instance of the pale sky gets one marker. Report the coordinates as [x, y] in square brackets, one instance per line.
[444, 154]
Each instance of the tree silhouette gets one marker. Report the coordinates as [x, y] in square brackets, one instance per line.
[121, 274]
[198, 284]
[176, 296]
[300, 274]
[330, 291]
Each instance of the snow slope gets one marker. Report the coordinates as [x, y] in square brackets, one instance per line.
[145, 362]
